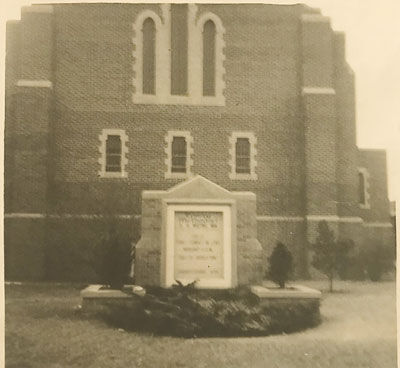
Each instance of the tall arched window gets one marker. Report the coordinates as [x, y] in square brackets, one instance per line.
[149, 57]
[209, 33]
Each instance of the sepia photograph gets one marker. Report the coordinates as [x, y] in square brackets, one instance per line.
[208, 184]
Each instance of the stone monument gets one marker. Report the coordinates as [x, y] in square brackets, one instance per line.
[198, 231]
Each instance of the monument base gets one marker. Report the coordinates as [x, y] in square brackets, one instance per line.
[198, 232]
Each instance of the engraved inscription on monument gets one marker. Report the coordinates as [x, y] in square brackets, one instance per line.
[198, 245]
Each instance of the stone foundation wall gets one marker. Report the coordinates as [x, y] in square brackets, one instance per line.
[61, 249]
[24, 249]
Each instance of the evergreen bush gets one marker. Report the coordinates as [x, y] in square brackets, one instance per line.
[280, 265]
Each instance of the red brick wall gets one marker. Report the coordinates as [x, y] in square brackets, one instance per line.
[346, 149]
[86, 50]
[319, 117]
[306, 153]
[11, 77]
[93, 73]
[36, 45]
[28, 112]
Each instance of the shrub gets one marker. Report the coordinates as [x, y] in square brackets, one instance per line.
[353, 268]
[280, 265]
[377, 260]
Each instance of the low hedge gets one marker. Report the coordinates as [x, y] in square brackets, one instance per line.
[371, 261]
[201, 313]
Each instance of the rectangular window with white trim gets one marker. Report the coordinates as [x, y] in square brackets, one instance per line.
[179, 154]
[113, 152]
[243, 156]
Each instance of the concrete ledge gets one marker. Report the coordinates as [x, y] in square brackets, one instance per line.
[40, 83]
[96, 300]
[37, 8]
[318, 91]
[377, 224]
[293, 292]
[280, 218]
[93, 291]
[318, 18]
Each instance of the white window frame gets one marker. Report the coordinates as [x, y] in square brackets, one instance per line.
[102, 149]
[366, 205]
[233, 175]
[163, 59]
[189, 152]
[162, 63]
[196, 60]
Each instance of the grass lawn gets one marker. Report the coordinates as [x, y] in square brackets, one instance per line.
[44, 330]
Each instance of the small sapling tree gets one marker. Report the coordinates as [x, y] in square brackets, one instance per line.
[329, 255]
[280, 265]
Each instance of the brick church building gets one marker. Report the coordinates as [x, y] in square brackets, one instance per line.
[104, 101]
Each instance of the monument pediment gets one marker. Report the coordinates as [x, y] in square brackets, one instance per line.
[197, 187]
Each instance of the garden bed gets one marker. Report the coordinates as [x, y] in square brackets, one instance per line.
[190, 312]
